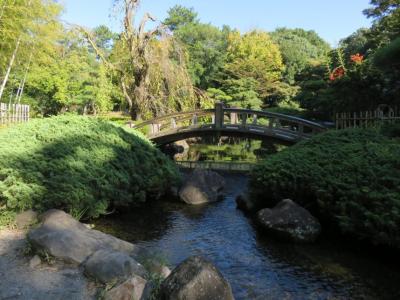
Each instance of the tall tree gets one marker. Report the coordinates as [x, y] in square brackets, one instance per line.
[386, 26]
[254, 55]
[357, 42]
[205, 45]
[179, 16]
[136, 58]
[299, 49]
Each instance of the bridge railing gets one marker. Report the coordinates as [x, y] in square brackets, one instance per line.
[232, 120]
[177, 120]
[262, 120]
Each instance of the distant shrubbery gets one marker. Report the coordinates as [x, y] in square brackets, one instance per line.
[349, 178]
[78, 164]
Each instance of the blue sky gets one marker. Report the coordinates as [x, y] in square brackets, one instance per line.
[333, 20]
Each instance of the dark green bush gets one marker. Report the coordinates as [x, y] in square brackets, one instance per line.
[350, 179]
[78, 164]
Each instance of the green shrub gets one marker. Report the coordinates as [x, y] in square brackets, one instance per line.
[350, 179]
[79, 164]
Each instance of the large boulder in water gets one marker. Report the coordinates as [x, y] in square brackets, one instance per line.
[61, 236]
[246, 203]
[289, 221]
[196, 279]
[202, 186]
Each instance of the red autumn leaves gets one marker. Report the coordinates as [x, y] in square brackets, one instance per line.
[357, 58]
[339, 72]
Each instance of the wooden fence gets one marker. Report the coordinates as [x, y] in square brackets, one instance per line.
[382, 115]
[13, 113]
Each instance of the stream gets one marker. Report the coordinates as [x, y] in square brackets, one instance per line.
[256, 266]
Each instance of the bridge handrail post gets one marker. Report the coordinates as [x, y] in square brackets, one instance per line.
[255, 119]
[301, 130]
[194, 119]
[219, 115]
[244, 119]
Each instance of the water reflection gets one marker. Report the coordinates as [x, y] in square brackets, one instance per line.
[229, 149]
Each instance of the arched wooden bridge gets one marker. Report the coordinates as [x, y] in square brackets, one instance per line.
[228, 122]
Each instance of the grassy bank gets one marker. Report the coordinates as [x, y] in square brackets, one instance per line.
[78, 164]
[350, 179]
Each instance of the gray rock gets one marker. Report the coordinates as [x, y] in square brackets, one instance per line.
[26, 218]
[63, 237]
[196, 279]
[35, 261]
[165, 272]
[202, 186]
[112, 266]
[245, 203]
[182, 149]
[18, 281]
[132, 288]
[289, 221]
[154, 267]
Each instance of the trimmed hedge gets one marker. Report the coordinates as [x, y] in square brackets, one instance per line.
[80, 165]
[349, 179]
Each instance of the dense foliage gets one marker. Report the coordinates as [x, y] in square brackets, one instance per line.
[182, 63]
[78, 164]
[350, 179]
[299, 49]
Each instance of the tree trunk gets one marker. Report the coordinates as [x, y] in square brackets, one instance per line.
[3, 85]
[24, 80]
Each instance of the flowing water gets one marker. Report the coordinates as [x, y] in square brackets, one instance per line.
[256, 266]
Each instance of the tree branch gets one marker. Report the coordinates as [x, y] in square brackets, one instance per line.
[147, 17]
[92, 42]
[126, 94]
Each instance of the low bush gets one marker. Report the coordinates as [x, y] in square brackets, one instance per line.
[80, 165]
[350, 179]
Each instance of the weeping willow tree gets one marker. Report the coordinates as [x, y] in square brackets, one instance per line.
[150, 65]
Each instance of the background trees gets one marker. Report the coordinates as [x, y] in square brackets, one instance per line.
[182, 63]
[205, 45]
[299, 49]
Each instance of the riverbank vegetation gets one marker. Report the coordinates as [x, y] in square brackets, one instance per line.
[350, 179]
[80, 165]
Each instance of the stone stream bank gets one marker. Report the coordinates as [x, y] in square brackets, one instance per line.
[125, 270]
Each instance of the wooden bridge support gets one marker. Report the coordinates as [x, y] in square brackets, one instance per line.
[219, 115]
